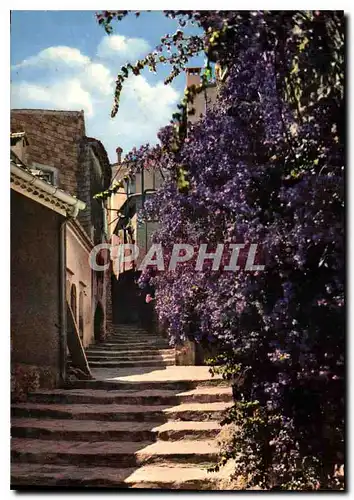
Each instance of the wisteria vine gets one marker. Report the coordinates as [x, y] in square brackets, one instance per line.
[265, 165]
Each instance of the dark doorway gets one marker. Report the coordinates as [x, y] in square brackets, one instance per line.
[129, 301]
[98, 324]
[125, 298]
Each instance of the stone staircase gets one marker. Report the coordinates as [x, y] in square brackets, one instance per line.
[131, 346]
[122, 433]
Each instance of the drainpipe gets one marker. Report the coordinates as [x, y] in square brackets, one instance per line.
[62, 302]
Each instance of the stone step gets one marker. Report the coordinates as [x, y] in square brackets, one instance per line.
[117, 358]
[181, 385]
[133, 346]
[113, 453]
[137, 329]
[155, 362]
[136, 343]
[128, 326]
[135, 333]
[150, 476]
[135, 338]
[147, 397]
[97, 430]
[208, 394]
[135, 352]
[137, 359]
[120, 333]
[114, 412]
[127, 342]
[129, 354]
[79, 430]
[130, 343]
[179, 430]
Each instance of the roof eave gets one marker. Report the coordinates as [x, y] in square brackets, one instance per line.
[44, 193]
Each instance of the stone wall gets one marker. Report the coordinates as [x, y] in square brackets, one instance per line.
[54, 140]
[35, 281]
[57, 140]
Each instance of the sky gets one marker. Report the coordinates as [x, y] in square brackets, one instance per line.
[65, 60]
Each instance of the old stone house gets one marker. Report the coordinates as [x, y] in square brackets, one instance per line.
[39, 215]
[57, 149]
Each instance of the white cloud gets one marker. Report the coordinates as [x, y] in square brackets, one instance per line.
[54, 55]
[97, 78]
[150, 96]
[94, 76]
[113, 46]
[144, 108]
[68, 95]
[89, 85]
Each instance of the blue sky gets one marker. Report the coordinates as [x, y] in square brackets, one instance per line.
[65, 60]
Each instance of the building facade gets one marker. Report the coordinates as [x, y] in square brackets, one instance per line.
[39, 214]
[58, 150]
[124, 227]
[204, 100]
[124, 207]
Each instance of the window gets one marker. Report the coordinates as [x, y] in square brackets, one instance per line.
[81, 315]
[73, 301]
[68, 289]
[131, 186]
[45, 172]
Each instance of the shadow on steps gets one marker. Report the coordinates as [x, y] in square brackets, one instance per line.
[133, 438]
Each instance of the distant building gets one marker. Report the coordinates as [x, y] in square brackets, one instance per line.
[204, 100]
[124, 206]
[124, 227]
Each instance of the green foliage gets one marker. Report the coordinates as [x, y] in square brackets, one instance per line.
[115, 187]
[182, 182]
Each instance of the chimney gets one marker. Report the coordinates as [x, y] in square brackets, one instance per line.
[193, 76]
[119, 152]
